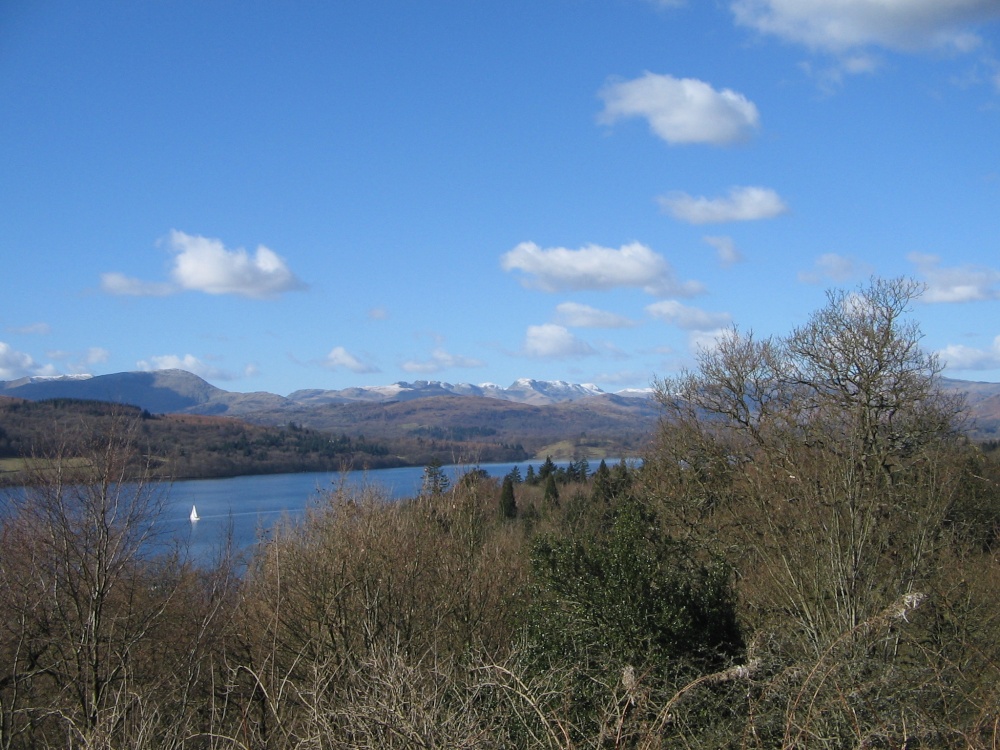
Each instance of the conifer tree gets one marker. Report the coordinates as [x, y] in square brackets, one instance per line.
[602, 490]
[435, 480]
[551, 490]
[508, 503]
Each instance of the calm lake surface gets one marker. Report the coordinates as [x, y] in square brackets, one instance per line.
[249, 506]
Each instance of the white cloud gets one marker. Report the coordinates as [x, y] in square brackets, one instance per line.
[961, 357]
[441, 360]
[340, 358]
[188, 362]
[688, 318]
[378, 313]
[832, 267]
[681, 110]
[204, 264]
[742, 204]
[554, 341]
[125, 286]
[15, 364]
[575, 315]
[595, 267]
[842, 25]
[725, 250]
[958, 283]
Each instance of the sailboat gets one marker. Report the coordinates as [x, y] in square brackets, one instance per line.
[194, 514]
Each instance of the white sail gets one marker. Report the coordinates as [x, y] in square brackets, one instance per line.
[194, 513]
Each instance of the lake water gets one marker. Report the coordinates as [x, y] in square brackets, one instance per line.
[250, 505]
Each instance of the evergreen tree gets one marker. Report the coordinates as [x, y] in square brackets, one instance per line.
[621, 479]
[603, 484]
[435, 480]
[508, 503]
[551, 490]
[530, 477]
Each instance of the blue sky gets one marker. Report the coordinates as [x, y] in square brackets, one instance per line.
[324, 194]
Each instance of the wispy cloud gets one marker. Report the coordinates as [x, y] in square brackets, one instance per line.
[441, 360]
[576, 315]
[687, 317]
[956, 284]
[341, 359]
[595, 267]
[833, 267]
[842, 25]
[702, 326]
[699, 341]
[121, 285]
[634, 378]
[552, 341]
[190, 363]
[681, 110]
[204, 264]
[80, 362]
[31, 329]
[749, 203]
[725, 250]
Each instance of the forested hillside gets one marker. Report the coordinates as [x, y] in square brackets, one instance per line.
[176, 446]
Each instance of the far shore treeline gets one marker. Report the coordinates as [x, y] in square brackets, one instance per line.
[178, 446]
[192, 446]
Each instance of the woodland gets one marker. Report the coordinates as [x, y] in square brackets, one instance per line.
[807, 557]
[174, 446]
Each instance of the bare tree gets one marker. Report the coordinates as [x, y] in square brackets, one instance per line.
[79, 597]
[822, 464]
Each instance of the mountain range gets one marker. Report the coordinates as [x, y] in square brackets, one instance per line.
[547, 410]
[179, 391]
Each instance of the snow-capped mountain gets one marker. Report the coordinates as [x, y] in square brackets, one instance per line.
[170, 390]
[523, 390]
[531, 391]
[46, 379]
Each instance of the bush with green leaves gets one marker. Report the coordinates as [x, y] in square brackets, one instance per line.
[632, 595]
